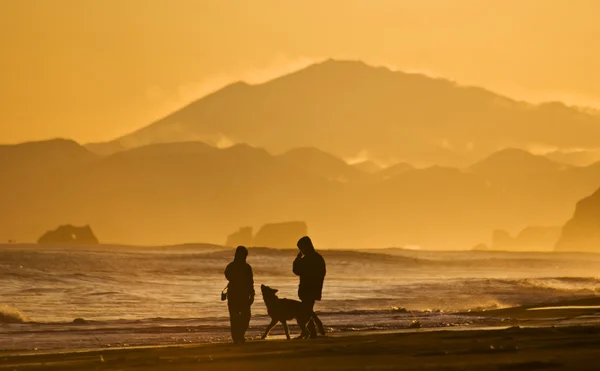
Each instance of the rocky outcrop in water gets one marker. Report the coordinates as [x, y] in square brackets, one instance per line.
[70, 235]
[481, 247]
[529, 239]
[278, 235]
[243, 237]
[582, 232]
[11, 315]
[283, 235]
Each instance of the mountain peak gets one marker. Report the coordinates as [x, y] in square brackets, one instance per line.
[347, 107]
[311, 154]
[515, 160]
[50, 147]
[339, 63]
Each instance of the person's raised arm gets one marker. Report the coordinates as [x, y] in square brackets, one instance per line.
[297, 267]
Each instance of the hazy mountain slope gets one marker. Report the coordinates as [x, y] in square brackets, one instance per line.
[576, 158]
[30, 191]
[106, 148]
[177, 192]
[533, 187]
[323, 164]
[36, 158]
[160, 194]
[368, 167]
[514, 162]
[416, 206]
[394, 170]
[345, 107]
[168, 149]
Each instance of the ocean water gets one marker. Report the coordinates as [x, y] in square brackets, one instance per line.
[129, 296]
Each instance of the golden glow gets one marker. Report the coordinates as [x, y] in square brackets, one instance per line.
[96, 69]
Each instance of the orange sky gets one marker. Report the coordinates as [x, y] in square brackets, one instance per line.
[95, 69]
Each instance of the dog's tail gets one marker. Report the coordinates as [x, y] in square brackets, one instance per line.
[319, 324]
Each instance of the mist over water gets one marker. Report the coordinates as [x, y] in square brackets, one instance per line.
[160, 296]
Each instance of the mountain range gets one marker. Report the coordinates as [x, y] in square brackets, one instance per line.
[191, 191]
[350, 109]
[457, 165]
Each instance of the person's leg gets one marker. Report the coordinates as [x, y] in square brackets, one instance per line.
[239, 328]
[309, 306]
[319, 324]
[233, 315]
[245, 315]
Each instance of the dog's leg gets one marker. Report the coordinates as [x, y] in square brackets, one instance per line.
[269, 328]
[286, 329]
[319, 324]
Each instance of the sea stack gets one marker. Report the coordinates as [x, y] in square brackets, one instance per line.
[582, 232]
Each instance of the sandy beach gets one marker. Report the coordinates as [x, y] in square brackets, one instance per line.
[557, 336]
[561, 348]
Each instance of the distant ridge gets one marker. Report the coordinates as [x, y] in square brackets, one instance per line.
[169, 193]
[515, 161]
[322, 163]
[43, 156]
[396, 169]
[368, 167]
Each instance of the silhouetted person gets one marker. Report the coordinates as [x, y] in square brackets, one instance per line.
[309, 265]
[240, 294]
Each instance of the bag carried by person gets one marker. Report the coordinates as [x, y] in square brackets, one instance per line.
[224, 293]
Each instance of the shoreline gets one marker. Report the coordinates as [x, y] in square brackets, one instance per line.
[94, 338]
[272, 338]
[563, 347]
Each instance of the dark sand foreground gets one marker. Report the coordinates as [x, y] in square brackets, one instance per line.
[560, 348]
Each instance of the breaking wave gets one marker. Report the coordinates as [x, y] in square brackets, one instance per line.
[11, 315]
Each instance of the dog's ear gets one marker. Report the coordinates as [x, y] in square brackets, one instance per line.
[275, 291]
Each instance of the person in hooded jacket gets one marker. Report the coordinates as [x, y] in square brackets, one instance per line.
[240, 294]
[309, 265]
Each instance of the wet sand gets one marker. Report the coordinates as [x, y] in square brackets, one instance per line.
[560, 348]
[545, 314]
